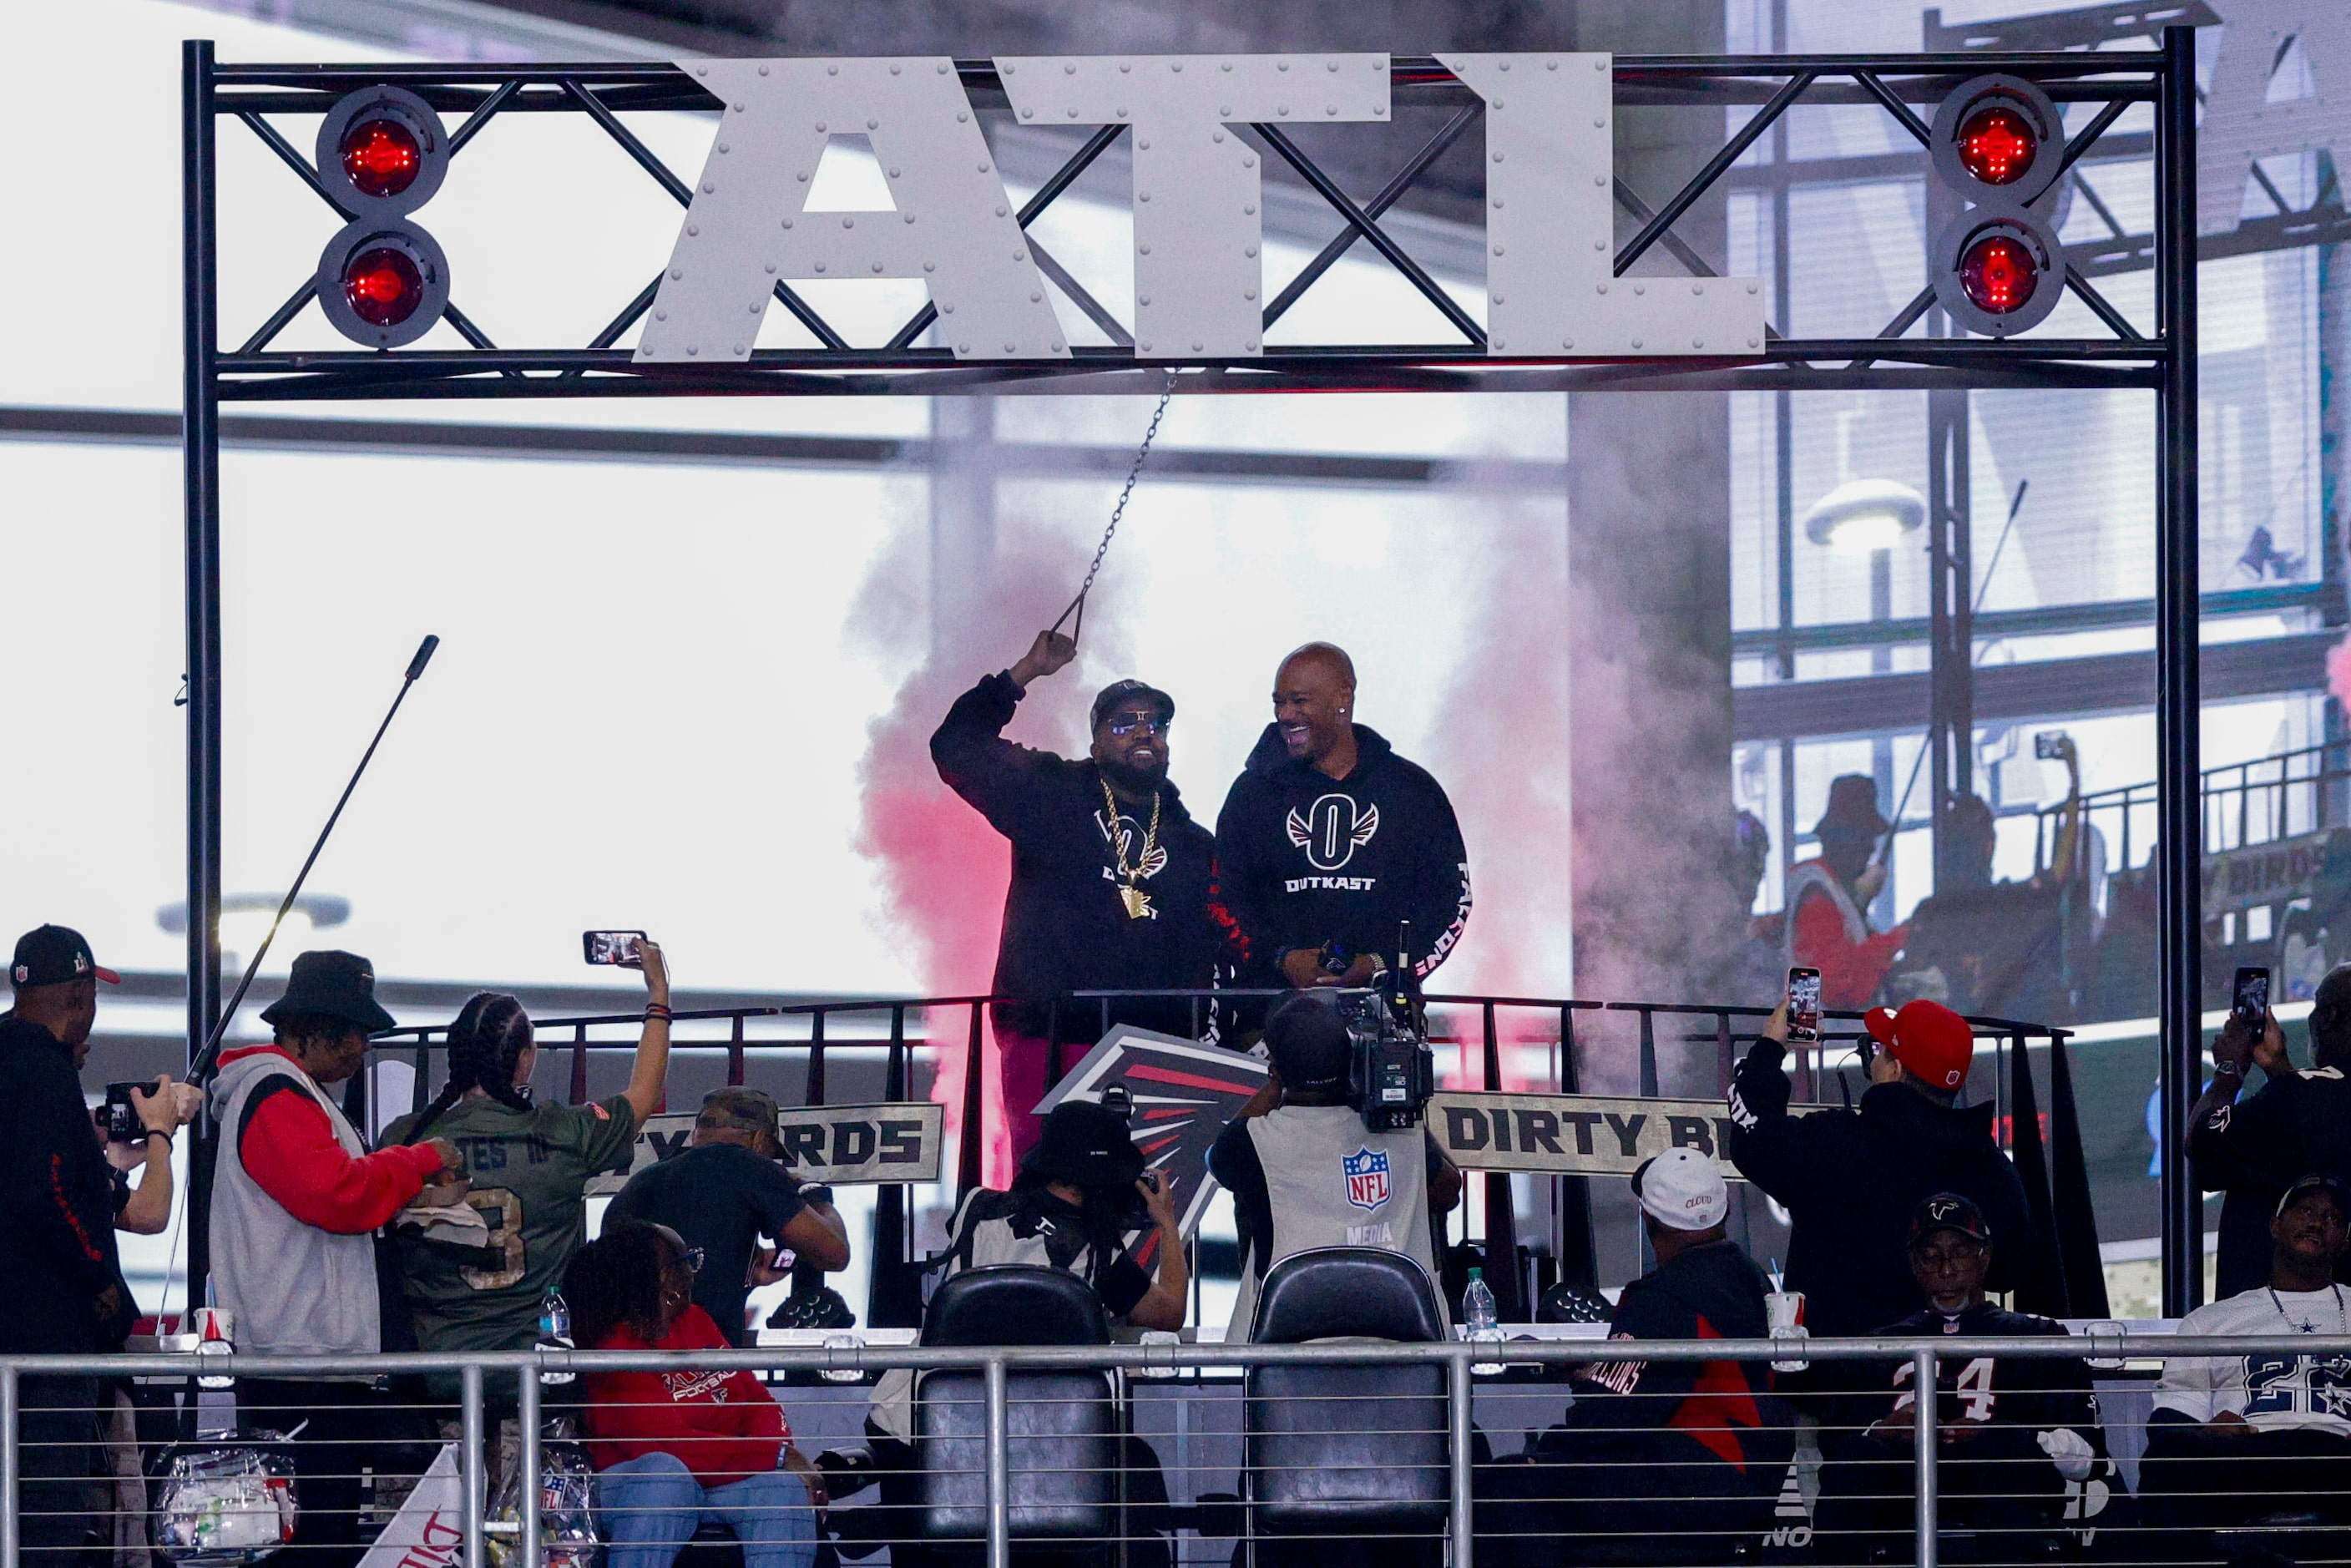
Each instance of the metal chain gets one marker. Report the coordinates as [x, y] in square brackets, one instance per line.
[1119, 510]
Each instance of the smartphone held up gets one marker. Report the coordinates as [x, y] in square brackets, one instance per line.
[624, 948]
[2249, 997]
[1805, 1006]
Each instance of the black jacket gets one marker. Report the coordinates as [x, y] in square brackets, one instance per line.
[57, 1206]
[1303, 859]
[2253, 1150]
[1065, 928]
[1850, 1179]
[2038, 1392]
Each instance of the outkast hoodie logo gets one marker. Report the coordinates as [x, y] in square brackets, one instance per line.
[1330, 830]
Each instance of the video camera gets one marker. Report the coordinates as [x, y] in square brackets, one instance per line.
[1391, 1071]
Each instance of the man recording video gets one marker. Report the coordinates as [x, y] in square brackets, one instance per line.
[1330, 844]
[1110, 873]
[1304, 1170]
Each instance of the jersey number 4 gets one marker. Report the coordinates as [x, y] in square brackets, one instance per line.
[502, 1210]
[1973, 1387]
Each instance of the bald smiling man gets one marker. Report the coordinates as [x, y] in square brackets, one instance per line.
[1328, 842]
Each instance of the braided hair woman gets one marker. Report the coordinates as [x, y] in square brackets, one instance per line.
[529, 1164]
[674, 1449]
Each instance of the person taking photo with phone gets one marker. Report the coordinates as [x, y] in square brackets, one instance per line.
[1110, 873]
[526, 1163]
[1851, 1178]
[2249, 1150]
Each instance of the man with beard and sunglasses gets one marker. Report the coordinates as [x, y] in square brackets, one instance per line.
[1110, 873]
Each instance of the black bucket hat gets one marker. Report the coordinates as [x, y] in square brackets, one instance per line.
[1852, 811]
[333, 985]
[1086, 1144]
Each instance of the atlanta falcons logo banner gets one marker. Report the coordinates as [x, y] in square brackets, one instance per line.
[1576, 1134]
[845, 1145]
[1183, 1092]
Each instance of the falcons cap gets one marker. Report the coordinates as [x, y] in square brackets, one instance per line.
[1948, 1211]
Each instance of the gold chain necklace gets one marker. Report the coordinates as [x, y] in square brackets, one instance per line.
[1137, 902]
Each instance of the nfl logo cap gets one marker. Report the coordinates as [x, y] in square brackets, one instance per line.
[1681, 1190]
[55, 956]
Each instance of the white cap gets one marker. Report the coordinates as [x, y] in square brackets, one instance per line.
[1681, 1190]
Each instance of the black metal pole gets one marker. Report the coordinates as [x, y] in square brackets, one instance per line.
[2179, 806]
[200, 563]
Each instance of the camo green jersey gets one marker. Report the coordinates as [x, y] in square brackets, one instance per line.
[528, 1171]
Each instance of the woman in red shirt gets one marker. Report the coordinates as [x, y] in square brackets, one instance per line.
[678, 1447]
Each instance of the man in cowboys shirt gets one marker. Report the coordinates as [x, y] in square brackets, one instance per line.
[1110, 873]
[1330, 845]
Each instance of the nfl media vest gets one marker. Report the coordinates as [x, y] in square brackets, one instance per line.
[1331, 1182]
[295, 1290]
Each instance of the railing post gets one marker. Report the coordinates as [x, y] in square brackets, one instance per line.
[969, 1152]
[529, 1460]
[11, 1469]
[473, 1463]
[1000, 1489]
[1457, 1393]
[816, 1057]
[580, 1065]
[735, 1053]
[1922, 1384]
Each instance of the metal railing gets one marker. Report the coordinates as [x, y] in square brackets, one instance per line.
[2243, 804]
[1132, 1366]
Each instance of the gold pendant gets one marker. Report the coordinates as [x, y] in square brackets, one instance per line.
[1137, 902]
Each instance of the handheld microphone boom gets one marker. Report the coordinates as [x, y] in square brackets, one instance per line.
[201, 1068]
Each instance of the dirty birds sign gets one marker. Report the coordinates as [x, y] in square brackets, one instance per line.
[841, 1144]
[1574, 1135]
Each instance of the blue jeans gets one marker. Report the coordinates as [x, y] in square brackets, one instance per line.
[650, 1505]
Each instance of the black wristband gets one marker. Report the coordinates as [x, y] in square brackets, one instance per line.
[157, 1133]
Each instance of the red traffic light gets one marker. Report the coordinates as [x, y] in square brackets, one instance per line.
[382, 156]
[1997, 145]
[385, 286]
[382, 152]
[382, 284]
[1999, 274]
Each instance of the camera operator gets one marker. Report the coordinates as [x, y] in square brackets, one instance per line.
[2233, 1438]
[1330, 843]
[1110, 873]
[65, 1294]
[297, 1200]
[2250, 1150]
[2014, 1436]
[1305, 1172]
[726, 1191]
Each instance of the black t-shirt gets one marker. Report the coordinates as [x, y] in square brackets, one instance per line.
[2253, 1150]
[721, 1198]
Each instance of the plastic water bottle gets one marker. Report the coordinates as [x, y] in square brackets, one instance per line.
[1479, 1319]
[555, 1333]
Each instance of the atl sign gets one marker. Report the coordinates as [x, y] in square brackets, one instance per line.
[1199, 231]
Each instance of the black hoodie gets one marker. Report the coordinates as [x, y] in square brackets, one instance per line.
[1064, 927]
[1850, 1180]
[1303, 859]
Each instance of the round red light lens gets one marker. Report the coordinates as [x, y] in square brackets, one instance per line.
[385, 286]
[1997, 145]
[1999, 273]
[381, 157]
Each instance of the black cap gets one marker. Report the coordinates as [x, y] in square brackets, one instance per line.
[1948, 1211]
[1308, 1042]
[55, 956]
[1118, 692]
[1086, 1144]
[2318, 1181]
[333, 985]
[1852, 811]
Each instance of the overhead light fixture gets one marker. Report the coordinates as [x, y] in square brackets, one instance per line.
[383, 280]
[1865, 515]
[245, 917]
[1999, 144]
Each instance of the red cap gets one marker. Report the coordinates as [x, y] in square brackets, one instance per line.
[1927, 1038]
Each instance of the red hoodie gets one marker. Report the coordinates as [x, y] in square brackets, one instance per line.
[724, 1424]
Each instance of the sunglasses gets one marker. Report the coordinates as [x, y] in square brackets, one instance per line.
[1128, 725]
[691, 1260]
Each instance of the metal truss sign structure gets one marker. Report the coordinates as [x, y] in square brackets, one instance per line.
[1566, 307]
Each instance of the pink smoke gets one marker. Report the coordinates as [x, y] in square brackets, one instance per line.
[943, 870]
[2339, 672]
[1499, 746]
